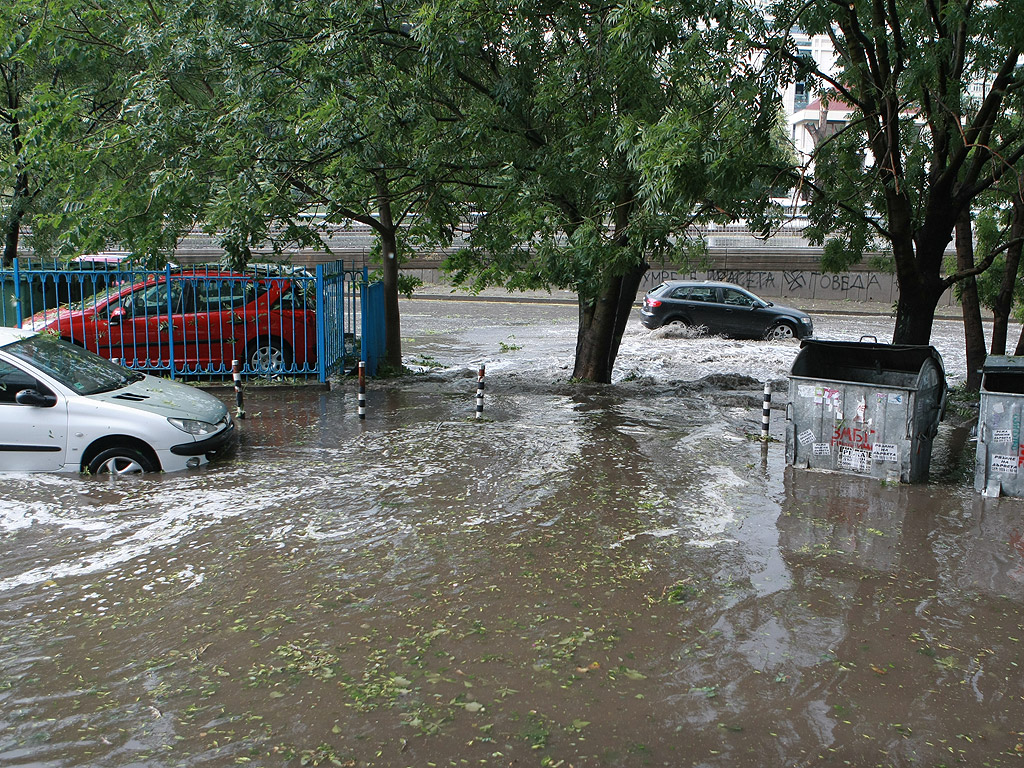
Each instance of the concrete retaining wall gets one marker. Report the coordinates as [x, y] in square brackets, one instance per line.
[774, 273]
[782, 284]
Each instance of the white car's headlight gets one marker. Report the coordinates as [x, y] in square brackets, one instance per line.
[194, 426]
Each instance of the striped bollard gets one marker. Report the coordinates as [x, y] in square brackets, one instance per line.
[766, 409]
[480, 393]
[236, 377]
[362, 390]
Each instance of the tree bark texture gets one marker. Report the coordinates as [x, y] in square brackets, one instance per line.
[918, 255]
[1004, 299]
[974, 332]
[389, 277]
[602, 324]
[19, 201]
[392, 318]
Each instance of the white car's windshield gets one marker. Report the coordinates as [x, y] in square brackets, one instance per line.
[76, 368]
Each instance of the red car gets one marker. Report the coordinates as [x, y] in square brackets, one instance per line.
[196, 321]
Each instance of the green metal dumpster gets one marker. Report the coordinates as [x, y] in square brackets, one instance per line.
[865, 408]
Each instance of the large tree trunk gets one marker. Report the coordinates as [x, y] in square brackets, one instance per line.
[919, 255]
[1004, 299]
[19, 202]
[974, 333]
[602, 324]
[919, 288]
[918, 275]
[915, 313]
[392, 319]
[389, 273]
[12, 234]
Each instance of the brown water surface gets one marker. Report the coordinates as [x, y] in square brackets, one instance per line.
[589, 577]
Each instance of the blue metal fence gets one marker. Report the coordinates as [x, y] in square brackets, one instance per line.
[276, 320]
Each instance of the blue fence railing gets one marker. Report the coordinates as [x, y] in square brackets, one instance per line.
[274, 319]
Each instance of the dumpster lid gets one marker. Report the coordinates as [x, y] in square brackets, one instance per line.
[817, 357]
[1003, 363]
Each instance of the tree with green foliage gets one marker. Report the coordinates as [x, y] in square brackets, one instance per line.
[58, 88]
[270, 124]
[936, 91]
[999, 228]
[81, 162]
[372, 140]
[602, 133]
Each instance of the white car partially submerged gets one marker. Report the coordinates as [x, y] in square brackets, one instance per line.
[65, 409]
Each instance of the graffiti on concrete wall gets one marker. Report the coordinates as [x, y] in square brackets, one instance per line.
[749, 279]
[850, 281]
[773, 284]
[807, 284]
[794, 282]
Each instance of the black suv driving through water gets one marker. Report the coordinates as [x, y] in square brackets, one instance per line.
[722, 308]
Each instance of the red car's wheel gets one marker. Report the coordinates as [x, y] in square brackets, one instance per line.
[269, 357]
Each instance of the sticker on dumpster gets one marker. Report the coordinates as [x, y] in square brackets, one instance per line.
[1007, 464]
[805, 437]
[862, 410]
[854, 459]
[895, 398]
[1002, 436]
[885, 452]
[822, 449]
[829, 397]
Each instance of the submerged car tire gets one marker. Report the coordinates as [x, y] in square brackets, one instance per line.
[269, 357]
[781, 331]
[120, 461]
[675, 322]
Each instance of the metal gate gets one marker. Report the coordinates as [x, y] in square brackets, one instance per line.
[276, 320]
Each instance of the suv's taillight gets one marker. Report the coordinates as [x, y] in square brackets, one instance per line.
[652, 303]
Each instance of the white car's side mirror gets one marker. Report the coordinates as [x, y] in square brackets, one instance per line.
[35, 398]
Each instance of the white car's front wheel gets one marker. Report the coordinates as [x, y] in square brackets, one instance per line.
[120, 461]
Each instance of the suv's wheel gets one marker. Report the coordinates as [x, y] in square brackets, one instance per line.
[781, 331]
[676, 322]
[120, 461]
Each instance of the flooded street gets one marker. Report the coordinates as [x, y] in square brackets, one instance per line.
[589, 576]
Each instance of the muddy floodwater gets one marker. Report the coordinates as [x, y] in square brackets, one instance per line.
[588, 576]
